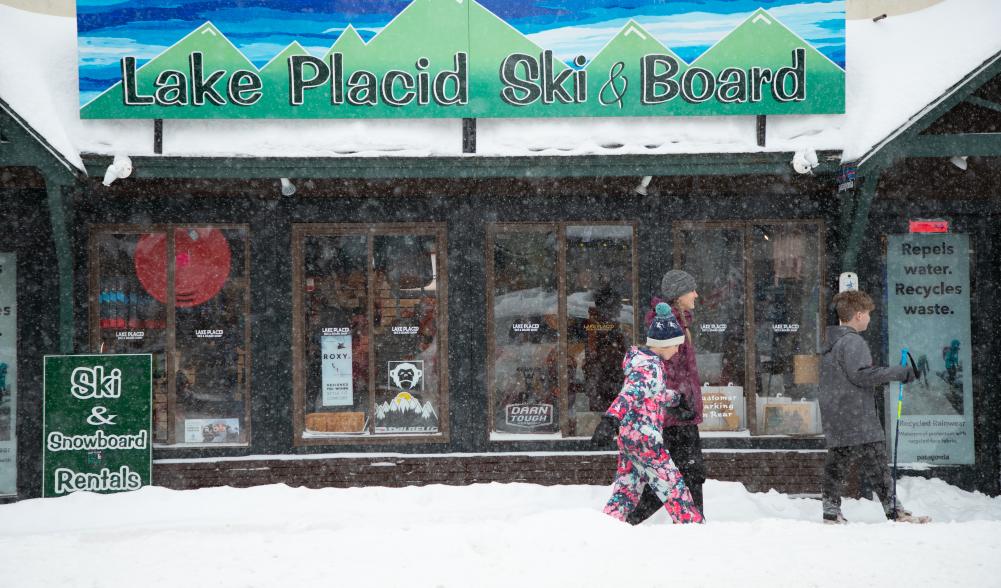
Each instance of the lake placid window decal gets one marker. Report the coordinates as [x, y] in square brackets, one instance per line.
[459, 58]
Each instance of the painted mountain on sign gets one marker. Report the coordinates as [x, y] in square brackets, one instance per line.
[422, 39]
[495, 40]
[218, 54]
[435, 29]
[274, 79]
[615, 72]
[763, 41]
[350, 45]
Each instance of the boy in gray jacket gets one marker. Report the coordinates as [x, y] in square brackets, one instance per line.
[852, 429]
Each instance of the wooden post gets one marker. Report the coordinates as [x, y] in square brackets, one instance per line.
[158, 136]
[469, 135]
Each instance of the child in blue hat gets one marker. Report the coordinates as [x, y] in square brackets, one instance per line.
[640, 408]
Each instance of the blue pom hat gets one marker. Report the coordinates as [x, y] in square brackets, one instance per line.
[664, 331]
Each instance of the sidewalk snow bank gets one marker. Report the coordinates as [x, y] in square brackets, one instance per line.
[489, 535]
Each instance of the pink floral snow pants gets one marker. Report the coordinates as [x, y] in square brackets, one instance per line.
[643, 460]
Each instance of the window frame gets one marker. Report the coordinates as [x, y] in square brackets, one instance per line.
[170, 344]
[560, 228]
[300, 231]
[750, 345]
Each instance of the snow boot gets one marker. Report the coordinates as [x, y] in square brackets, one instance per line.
[834, 519]
[904, 516]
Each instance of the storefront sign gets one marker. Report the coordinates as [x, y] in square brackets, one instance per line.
[458, 58]
[405, 413]
[96, 424]
[928, 312]
[336, 371]
[8, 374]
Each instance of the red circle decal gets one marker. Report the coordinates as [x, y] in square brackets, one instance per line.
[201, 265]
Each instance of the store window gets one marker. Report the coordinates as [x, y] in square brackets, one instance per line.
[757, 325]
[369, 332]
[562, 299]
[182, 294]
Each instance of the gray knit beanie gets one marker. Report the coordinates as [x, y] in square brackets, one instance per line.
[675, 284]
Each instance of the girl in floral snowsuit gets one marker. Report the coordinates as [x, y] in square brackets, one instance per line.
[640, 408]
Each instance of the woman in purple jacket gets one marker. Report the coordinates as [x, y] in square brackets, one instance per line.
[681, 426]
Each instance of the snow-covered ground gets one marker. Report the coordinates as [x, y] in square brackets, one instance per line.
[489, 535]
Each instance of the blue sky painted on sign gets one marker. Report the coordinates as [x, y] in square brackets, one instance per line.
[111, 29]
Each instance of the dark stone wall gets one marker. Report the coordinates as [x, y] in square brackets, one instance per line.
[794, 472]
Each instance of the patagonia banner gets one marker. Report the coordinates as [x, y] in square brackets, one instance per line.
[928, 313]
[459, 58]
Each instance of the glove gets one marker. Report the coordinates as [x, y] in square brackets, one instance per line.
[912, 370]
[682, 412]
[607, 429]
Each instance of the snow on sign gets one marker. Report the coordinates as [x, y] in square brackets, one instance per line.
[459, 58]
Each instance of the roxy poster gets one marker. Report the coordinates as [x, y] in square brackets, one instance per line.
[336, 371]
[458, 58]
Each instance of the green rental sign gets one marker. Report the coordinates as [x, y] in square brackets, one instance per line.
[459, 58]
[97, 423]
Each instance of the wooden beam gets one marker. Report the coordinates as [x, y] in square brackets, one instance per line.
[774, 163]
[469, 135]
[971, 144]
[61, 218]
[981, 102]
[158, 136]
[860, 221]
